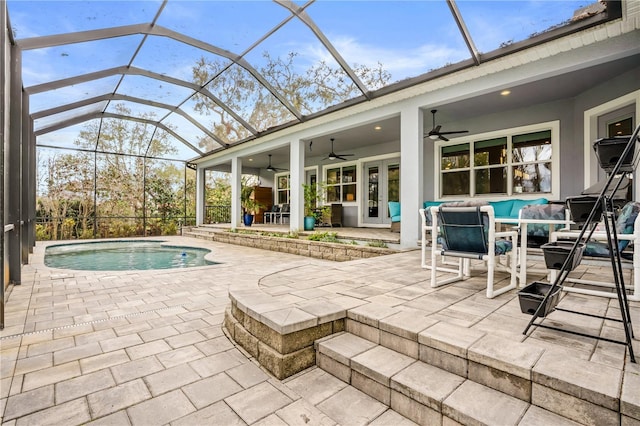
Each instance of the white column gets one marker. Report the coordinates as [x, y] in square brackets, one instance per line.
[236, 183]
[411, 175]
[296, 221]
[200, 201]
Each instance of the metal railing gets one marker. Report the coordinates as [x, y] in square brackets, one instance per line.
[69, 228]
[217, 214]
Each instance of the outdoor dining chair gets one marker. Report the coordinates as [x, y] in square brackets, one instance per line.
[468, 233]
[284, 214]
[271, 216]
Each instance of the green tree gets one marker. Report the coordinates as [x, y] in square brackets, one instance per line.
[65, 191]
[218, 189]
[311, 90]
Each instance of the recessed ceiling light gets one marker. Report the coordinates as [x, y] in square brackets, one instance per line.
[377, 128]
[505, 92]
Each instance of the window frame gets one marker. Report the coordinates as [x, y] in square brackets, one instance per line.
[287, 190]
[341, 166]
[509, 133]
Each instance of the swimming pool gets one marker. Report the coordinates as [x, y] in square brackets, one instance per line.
[123, 256]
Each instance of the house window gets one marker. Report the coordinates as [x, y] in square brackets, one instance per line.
[341, 184]
[282, 189]
[512, 163]
[456, 167]
[532, 162]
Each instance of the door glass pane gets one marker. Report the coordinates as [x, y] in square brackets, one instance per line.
[455, 183]
[491, 181]
[620, 127]
[393, 182]
[373, 192]
[532, 178]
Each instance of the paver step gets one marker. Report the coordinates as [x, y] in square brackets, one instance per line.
[195, 233]
[587, 392]
[424, 393]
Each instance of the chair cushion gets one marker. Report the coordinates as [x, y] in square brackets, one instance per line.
[624, 225]
[394, 211]
[467, 203]
[503, 246]
[427, 209]
[427, 204]
[538, 233]
[518, 204]
[502, 208]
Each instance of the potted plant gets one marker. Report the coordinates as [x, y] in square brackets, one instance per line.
[312, 198]
[249, 205]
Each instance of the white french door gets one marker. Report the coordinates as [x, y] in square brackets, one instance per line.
[381, 185]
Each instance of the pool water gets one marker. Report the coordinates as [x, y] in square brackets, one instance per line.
[123, 256]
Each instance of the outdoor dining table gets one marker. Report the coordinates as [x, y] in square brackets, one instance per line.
[523, 223]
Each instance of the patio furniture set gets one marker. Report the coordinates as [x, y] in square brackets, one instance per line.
[589, 227]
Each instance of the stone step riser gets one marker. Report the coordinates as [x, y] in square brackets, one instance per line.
[548, 393]
[425, 394]
[494, 378]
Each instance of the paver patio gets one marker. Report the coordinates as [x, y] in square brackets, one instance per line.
[148, 347]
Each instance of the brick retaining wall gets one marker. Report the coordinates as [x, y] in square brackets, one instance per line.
[318, 249]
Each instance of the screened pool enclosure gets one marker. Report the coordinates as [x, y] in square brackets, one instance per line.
[109, 106]
[121, 95]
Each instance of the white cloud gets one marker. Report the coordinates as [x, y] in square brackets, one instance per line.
[400, 63]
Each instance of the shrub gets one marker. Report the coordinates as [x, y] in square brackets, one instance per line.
[377, 243]
[327, 237]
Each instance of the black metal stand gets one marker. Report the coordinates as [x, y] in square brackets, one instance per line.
[604, 204]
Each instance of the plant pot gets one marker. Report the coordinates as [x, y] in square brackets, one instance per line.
[610, 150]
[556, 253]
[309, 223]
[247, 219]
[532, 296]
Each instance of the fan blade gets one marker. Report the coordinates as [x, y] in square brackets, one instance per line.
[340, 157]
[435, 130]
[443, 138]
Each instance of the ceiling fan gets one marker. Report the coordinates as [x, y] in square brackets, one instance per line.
[270, 168]
[435, 132]
[333, 156]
